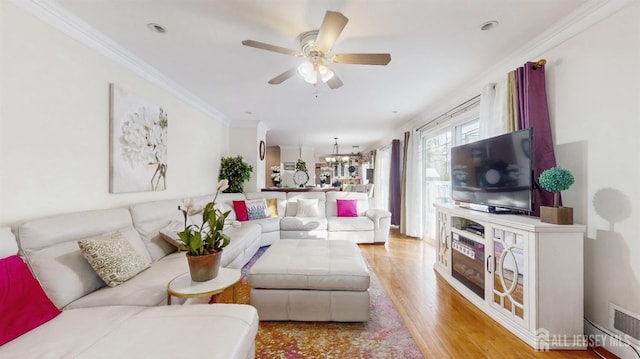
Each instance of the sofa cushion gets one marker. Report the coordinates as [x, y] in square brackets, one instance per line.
[149, 218]
[241, 238]
[148, 288]
[240, 209]
[8, 245]
[332, 203]
[292, 202]
[307, 207]
[303, 223]
[268, 224]
[140, 332]
[336, 224]
[23, 303]
[113, 258]
[347, 208]
[50, 247]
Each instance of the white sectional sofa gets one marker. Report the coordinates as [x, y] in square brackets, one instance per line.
[115, 331]
[50, 244]
[50, 247]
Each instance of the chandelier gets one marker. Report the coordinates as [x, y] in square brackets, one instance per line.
[336, 156]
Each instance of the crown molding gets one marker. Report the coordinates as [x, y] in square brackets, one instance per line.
[54, 15]
[587, 15]
[249, 124]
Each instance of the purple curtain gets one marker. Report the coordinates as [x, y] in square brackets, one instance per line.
[533, 112]
[395, 192]
[403, 189]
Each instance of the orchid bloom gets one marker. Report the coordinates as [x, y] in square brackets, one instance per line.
[222, 185]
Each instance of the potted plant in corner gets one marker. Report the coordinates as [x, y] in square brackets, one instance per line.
[204, 243]
[236, 171]
[555, 180]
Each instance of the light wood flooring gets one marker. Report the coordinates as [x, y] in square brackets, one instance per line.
[443, 323]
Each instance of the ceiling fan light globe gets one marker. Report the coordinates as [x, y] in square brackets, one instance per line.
[308, 72]
[325, 73]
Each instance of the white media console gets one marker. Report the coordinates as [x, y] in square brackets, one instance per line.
[525, 274]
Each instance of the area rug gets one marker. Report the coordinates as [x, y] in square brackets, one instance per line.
[384, 336]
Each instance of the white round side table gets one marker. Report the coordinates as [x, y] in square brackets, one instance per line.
[183, 287]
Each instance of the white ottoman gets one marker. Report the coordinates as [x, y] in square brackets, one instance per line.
[307, 280]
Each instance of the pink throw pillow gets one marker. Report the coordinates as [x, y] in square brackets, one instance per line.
[347, 208]
[23, 303]
[241, 211]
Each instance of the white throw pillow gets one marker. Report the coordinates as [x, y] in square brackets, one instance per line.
[113, 258]
[307, 207]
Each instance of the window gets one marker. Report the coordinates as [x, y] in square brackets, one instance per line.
[436, 142]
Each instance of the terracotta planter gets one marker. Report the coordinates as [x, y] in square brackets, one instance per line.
[556, 215]
[204, 268]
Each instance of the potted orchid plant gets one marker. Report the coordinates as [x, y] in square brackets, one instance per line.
[204, 243]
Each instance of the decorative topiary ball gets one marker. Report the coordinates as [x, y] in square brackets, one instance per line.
[556, 179]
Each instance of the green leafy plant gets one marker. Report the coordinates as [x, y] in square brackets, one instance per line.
[236, 171]
[208, 237]
[555, 180]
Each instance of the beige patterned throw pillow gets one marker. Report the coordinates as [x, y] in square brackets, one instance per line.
[113, 258]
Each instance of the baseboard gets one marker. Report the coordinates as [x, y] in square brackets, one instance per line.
[613, 343]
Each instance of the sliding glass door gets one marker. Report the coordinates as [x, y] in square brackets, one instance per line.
[436, 167]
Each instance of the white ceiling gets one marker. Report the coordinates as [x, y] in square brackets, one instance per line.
[436, 46]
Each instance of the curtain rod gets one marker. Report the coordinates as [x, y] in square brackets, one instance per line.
[454, 111]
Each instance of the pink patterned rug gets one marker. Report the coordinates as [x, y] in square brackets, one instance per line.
[384, 336]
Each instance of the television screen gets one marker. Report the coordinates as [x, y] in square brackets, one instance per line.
[495, 172]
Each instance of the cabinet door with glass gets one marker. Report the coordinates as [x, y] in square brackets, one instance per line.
[443, 237]
[508, 274]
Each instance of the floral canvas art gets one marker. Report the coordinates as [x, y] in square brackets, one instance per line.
[138, 143]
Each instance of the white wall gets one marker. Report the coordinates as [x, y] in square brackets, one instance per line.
[244, 140]
[593, 84]
[54, 126]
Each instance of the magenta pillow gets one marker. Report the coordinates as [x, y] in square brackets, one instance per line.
[241, 210]
[347, 208]
[23, 303]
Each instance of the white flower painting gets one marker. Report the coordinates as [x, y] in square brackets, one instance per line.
[138, 144]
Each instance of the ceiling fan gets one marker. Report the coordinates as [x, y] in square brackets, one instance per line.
[315, 46]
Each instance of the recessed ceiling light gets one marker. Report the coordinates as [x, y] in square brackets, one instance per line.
[489, 25]
[156, 28]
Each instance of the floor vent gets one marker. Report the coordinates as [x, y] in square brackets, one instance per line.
[625, 323]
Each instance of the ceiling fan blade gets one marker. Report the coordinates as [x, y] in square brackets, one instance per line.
[269, 47]
[334, 82]
[362, 59]
[332, 25]
[283, 76]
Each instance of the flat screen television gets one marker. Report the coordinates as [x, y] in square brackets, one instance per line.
[496, 172]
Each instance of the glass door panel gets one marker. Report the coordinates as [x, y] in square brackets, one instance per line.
[510, 271]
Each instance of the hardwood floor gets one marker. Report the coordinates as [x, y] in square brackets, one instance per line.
[443, 323]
